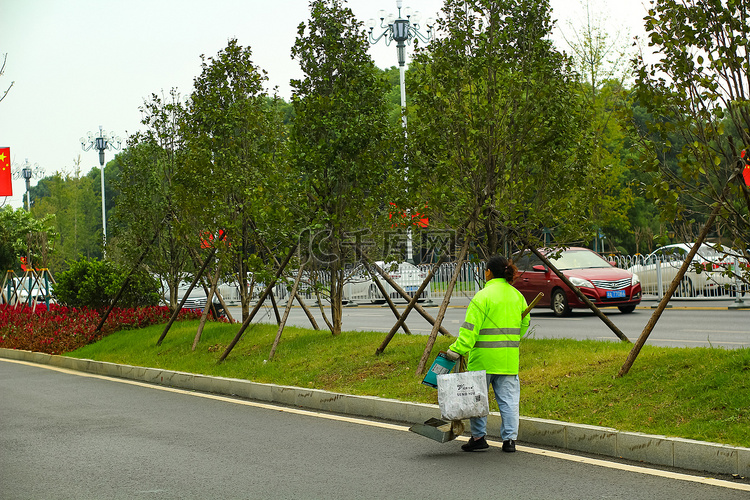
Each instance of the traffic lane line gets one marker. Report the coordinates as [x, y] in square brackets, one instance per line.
[400, 427]
[653, 339]
[743, 332]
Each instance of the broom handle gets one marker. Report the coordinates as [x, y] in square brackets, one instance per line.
[533, 303]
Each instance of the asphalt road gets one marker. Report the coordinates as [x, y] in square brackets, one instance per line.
[687, 323]
[68, 435]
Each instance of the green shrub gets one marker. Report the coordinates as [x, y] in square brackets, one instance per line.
[94, 284]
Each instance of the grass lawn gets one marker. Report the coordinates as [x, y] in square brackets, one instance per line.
[693, 393]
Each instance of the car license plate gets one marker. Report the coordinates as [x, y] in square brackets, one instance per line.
[411, 289]
[616, 294]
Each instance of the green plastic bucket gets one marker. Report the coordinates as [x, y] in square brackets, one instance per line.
[441, 365]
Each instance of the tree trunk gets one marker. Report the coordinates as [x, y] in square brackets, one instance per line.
[337, 310]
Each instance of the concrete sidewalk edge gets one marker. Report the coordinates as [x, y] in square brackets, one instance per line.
[649, 449]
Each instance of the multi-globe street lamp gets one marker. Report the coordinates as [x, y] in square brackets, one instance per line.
[102, 143]
[401, 30]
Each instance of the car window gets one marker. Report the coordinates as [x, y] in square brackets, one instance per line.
[523, 263]
[579, 259]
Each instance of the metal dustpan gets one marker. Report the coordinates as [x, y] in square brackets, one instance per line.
[439, 430]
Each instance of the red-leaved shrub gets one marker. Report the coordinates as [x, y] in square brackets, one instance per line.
[64, 329]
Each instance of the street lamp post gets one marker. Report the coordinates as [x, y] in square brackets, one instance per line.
[402, 30]
[27, 176]
[102, 143]
[27, 172]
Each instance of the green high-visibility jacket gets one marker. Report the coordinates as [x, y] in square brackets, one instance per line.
[493, 328]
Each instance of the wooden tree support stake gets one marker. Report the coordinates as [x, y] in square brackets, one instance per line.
[296, 294]
[409, 307]
[257, 307]
[578, 293]
[208, 306]
[443, 307]
[125, 283]
[274, 306]
[217, 293]
[403, 294]
[307, 311]
[385, 294]
[670, 291]
[288, 308]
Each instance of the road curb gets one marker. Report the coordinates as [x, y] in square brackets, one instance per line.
[650, 449]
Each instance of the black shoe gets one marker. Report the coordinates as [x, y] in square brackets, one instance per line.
[509, 446]
[475, 444]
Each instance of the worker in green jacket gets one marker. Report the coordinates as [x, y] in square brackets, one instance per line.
[490, 337]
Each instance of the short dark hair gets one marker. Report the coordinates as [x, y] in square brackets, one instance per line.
[500, 267]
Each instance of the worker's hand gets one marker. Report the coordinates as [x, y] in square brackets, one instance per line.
[453, 356]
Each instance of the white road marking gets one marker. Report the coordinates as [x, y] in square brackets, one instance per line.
[741, 332]
[397, 427]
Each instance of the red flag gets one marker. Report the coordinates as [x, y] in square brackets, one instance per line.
[6, 179]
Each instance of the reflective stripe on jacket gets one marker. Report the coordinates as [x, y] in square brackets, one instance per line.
[493, 329]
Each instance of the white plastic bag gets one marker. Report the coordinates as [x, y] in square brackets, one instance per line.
[463, 395]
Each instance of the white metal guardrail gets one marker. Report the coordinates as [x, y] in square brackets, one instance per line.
[707, 280]
[704, 279]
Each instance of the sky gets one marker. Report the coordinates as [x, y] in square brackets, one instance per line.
[77, 65]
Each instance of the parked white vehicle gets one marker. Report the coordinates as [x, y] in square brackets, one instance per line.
[703, 277]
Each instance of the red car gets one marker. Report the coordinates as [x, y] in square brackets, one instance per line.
[602, 283]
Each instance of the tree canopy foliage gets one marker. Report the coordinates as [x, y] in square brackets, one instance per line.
[21, 234]
[499, 125]
[694, 86]
[343, 149]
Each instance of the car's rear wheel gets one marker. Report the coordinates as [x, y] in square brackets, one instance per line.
[560, 303]
[626, 309]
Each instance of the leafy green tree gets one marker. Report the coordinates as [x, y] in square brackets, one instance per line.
[342, 147]
[498, 139]
[19, 232]
[693, 86]
[148, 206]
[77, 216]
[233, 178]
